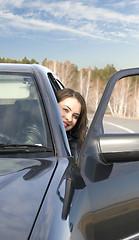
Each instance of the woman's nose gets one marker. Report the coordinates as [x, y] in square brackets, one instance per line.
[69, 117]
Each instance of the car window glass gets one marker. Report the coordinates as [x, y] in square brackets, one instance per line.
[122, 114]
[56, 84]
[22, 118]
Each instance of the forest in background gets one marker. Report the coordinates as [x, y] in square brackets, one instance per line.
[90, 83]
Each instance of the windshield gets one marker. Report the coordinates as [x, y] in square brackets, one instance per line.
[22, 120]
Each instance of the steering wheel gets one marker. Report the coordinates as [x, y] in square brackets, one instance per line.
[6, 139]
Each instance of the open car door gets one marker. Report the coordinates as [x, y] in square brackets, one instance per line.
[107, 206]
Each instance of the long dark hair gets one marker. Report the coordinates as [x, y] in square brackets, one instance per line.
[80, 128]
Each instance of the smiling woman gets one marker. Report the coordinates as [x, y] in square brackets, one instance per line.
[74, 114]
[70, 109]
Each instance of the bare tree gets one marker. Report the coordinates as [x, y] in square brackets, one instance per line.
[96, 89]
[81, 81]
[88, 83]
[65, 71]
[118, 104]
[135, 100]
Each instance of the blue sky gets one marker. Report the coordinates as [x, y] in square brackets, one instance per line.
[86, 32]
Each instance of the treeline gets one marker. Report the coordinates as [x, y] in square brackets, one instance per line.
[23, 61]
[91, 83]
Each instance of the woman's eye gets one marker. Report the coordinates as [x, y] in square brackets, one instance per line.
[76, 117]
[66, 110]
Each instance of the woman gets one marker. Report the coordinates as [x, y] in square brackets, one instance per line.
[74, 114]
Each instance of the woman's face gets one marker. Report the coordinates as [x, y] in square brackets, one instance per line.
[70, 109]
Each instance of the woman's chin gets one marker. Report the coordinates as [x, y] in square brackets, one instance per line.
[67, 129]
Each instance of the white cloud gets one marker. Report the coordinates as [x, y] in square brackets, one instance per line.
[118, 34]
[122, 4]
[12, 3]
[78, 11]
[75, 18]
[20, 22]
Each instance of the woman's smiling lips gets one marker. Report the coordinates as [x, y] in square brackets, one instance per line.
[66, 124]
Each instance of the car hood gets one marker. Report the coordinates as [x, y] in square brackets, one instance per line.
[23, 183]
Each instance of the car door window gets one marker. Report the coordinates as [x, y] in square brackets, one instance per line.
[122, 114]
[22, 117]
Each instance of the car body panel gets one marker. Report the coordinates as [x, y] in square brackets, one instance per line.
[107, 209]
[54, 227]
[23, 183]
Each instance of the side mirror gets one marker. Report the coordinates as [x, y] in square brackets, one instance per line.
[117, 148]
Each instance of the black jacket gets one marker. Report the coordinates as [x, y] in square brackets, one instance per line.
[73, 146]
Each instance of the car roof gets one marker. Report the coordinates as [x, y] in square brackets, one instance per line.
[17, 67]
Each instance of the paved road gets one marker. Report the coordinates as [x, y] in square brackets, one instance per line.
[119, 125]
